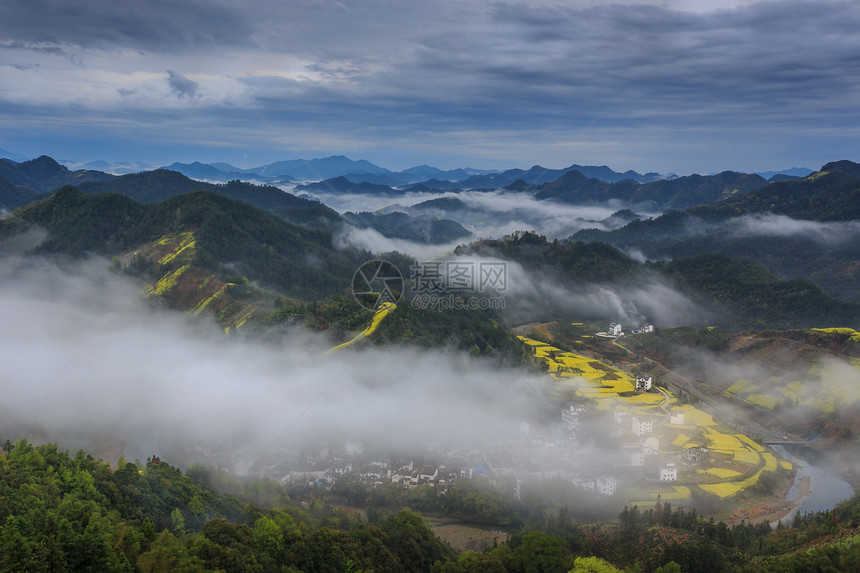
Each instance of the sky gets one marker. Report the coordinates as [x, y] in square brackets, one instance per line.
[683, 86]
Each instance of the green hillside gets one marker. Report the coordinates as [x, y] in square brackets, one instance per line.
[787, 250]
[161, 184]
[76, 513]
[204, 252]
[43, 174]
[576, 261]
[12, 196]
[757, 299]
[831, 194]
[64, 513]
[575, 188]
[742, 293]
[298, 261]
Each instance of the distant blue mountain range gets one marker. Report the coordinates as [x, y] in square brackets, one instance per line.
[793, 172]
[363, 171]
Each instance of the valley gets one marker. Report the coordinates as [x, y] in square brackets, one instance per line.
[433, 287]
[521, 406]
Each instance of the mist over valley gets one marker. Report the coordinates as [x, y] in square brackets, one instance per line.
[439, 287]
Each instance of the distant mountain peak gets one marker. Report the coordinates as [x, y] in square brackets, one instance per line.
[843, 166]
[17, 158]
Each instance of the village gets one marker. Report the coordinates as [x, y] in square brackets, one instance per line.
[615, 435]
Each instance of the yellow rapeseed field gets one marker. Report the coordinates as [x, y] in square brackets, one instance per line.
[613, 388]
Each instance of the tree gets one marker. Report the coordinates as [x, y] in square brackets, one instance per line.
[177, 522]
[594, 565]
[268, 537]
[541, 553]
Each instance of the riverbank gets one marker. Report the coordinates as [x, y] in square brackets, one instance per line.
[774, 508]
[818, 485]
[786, 513]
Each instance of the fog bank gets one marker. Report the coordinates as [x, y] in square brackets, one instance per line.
[88, 363]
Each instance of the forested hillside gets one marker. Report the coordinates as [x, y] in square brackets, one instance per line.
[741, 294]
[299, 261]
[803, 228]
[575, 188]
[77, 513]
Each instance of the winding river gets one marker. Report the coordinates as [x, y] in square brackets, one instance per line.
[826, 489]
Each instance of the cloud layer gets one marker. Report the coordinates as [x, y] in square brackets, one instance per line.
[770, 225]
[678, 86]
[87, 363]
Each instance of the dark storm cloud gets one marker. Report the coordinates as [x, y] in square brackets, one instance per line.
[156, 25]
[645, 62]
[645, 66]
[526, 82]
[180, 85]
[44, 48]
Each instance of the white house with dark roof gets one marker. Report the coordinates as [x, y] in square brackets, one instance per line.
[669, 472]
[641, 426]
[606, 485]
[643, 383]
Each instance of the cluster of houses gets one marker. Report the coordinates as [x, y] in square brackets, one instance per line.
[555, 455]
[324, 469]
[554, 452]
[617, 331]
[548, 454]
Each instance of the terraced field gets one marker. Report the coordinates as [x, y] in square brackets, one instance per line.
[186, 285]
[590, 378]
[826, 387]
[648, 497]
[854, 335]
[384, 310]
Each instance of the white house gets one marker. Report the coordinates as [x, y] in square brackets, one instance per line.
[424, 474]
[308, 476]
[615, 329]
[695, 454]
[621, 417]
[632, 456]
[571, 415]
[678, 417]
[669, 472]
[641, 426]
[647, 327]
[606, 485]
[643, 383]
[650, 444]
[584, 483]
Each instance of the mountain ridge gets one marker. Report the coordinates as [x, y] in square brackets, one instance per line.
[798, 228]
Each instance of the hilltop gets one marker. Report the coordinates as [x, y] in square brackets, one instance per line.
[196, 250]
[733, 293]
[797, 229]
[576, 188]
